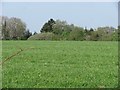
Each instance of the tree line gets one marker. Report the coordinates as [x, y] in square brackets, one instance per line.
[61, 30]
[15, 29]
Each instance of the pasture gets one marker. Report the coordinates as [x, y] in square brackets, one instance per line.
[60, 64]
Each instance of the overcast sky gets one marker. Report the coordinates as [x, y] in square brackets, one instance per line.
[84, 14]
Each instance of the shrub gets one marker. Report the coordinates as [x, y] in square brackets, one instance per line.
[76, 35]
[42, 36]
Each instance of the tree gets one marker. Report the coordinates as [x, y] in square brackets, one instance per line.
[77, 34]
[48, 26]
[94, 36]
[27, 34]
[12, 28]
[35, 33]
[62, 29]
[106, 33]
[91, 29]
[86, 30]
[4, 31]
[59, 27]
[16, 28]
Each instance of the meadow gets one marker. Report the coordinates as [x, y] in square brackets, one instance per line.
[60, 64]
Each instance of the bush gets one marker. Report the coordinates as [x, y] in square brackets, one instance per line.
[42, 36]
[76, 35]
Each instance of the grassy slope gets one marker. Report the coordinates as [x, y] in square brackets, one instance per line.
[61, 64]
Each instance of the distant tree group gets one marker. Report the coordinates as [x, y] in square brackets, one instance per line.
[14, 29]
[61, 30]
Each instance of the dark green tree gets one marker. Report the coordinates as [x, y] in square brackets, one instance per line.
[91, 29]
[27, 34]
[35, 33]
[86, 30]
[48, 26]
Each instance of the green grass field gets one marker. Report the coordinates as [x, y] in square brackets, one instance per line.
[59, 64]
